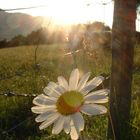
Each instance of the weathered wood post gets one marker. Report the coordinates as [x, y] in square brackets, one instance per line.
[123, 33]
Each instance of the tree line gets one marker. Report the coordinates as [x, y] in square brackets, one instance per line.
[40, 36]
[90, 35]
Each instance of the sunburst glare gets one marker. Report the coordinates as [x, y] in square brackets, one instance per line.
[66, 12]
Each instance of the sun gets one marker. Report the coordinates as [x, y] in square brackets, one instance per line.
[67, 12]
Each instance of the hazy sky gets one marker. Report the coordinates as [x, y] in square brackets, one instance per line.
[65, 11]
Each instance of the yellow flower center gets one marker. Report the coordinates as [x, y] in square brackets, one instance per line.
[69, 102]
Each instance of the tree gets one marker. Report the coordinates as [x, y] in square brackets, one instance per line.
[17, 41]
[123, 33]
[97, 36]
[3, 43]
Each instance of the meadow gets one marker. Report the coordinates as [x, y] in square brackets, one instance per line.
[28, 69]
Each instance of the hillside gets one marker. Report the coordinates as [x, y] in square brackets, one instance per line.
[12, 24]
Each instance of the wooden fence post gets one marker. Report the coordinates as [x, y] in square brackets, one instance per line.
[123, 33]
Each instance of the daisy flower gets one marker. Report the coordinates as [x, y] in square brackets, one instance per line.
[63, 103]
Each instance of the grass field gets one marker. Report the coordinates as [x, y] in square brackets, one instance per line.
[28, 69]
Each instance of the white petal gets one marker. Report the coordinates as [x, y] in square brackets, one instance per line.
[60, 89]
[74, 133]
[63, 82]
[52, 118]
[87, 89]
[78, 121]
[52, 85]
[44, 116]
[58, 125]
[74, 78]
[54, 89]
[42, 109]
[99, 96]
[83, 80]
[93, 109]
[43, 100]
[67, 124]
[47, 97]
[96, 80]
[92, 84]
[48, 91]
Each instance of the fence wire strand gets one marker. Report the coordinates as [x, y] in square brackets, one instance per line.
[19, 124]
[11, 94]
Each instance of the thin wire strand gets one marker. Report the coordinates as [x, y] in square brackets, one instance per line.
[112, 126]
[19, 124]
[22, 8]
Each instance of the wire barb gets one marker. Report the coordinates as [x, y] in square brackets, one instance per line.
[11, 94]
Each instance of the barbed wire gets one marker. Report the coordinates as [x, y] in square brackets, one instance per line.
[11, 94]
